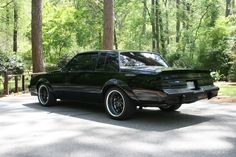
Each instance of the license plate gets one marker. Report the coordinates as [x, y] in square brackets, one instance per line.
[190, 85]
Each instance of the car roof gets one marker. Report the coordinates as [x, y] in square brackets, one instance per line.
[118, 51]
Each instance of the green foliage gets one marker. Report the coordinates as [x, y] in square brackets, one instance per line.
[132, 25]
[10, 64]
[232, 72]
[58, 27]
[6, 28]
[207, 37]
[70, 26]
[51, 67]
[60, 63]
[215, 60]
[216, 76]
[26, 59]
[63, 60]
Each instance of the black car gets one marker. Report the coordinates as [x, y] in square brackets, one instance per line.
[123, 80]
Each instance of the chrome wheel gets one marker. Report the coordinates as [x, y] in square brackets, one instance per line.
[43, 94]
[115, 103]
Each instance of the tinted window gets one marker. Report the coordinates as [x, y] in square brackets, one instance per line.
[108, 61]
[141, 59]
[101, 61]
[112, 62]
[86, 62]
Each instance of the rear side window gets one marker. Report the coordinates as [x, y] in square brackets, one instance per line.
[84, 62]
[101, 61]
[108, 61]
[112, 62]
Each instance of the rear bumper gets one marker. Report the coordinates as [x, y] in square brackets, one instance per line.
[173, 96]
[189, 96]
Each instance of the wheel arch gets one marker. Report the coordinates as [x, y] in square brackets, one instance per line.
[44, 81]
[118, 84]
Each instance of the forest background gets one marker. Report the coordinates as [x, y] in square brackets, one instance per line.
[187, 33]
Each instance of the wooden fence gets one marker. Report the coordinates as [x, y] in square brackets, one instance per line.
[16, 83]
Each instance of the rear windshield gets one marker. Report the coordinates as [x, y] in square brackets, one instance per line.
[141, 59]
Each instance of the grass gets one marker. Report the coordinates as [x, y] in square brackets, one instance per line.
[227, 89]
[11, 86]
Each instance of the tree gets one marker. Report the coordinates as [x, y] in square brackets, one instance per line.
[15, 35]
[227, 10]
[157, 23]
[37, 48]
[7, 22]
[15, 27]
[166, 3]
[177, 21]
[233, 7]
[108, 30]
[153, 23]
[182, 30]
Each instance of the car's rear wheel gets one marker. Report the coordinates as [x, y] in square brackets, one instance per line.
[45, 97]
[170, 108]
[118, 105]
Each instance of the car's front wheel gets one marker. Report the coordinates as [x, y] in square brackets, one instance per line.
[45, 97]
[170, 108]
[118, 105]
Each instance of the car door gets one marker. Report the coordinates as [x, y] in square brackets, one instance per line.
[60, 80]
[107, 68]
[80, 78]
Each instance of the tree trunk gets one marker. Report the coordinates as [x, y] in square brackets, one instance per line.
[15, 35]
[108, 27]
[143, 32]
[15, 29]
[162, 36]
[115, 39]
[184, 18]
[100, 39]
[37, 48]
[144, 16]
[5, 84]
[153, 25]
[189, 14]
[177, 20]
[157, 25]
[7, 28]
[227, 10]
[233, 7]
[167, 23]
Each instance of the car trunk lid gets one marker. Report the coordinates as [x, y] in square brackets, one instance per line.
[185, 78]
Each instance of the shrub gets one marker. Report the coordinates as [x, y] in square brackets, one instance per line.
[51, 67]
[63, 60]
[216, 75]
[232, 73]
[10, 64]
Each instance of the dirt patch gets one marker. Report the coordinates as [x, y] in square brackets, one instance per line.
[224, 99]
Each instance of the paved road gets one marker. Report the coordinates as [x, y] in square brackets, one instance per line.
[74, 130]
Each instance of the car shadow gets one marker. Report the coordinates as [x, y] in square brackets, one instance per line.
[145, 119]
